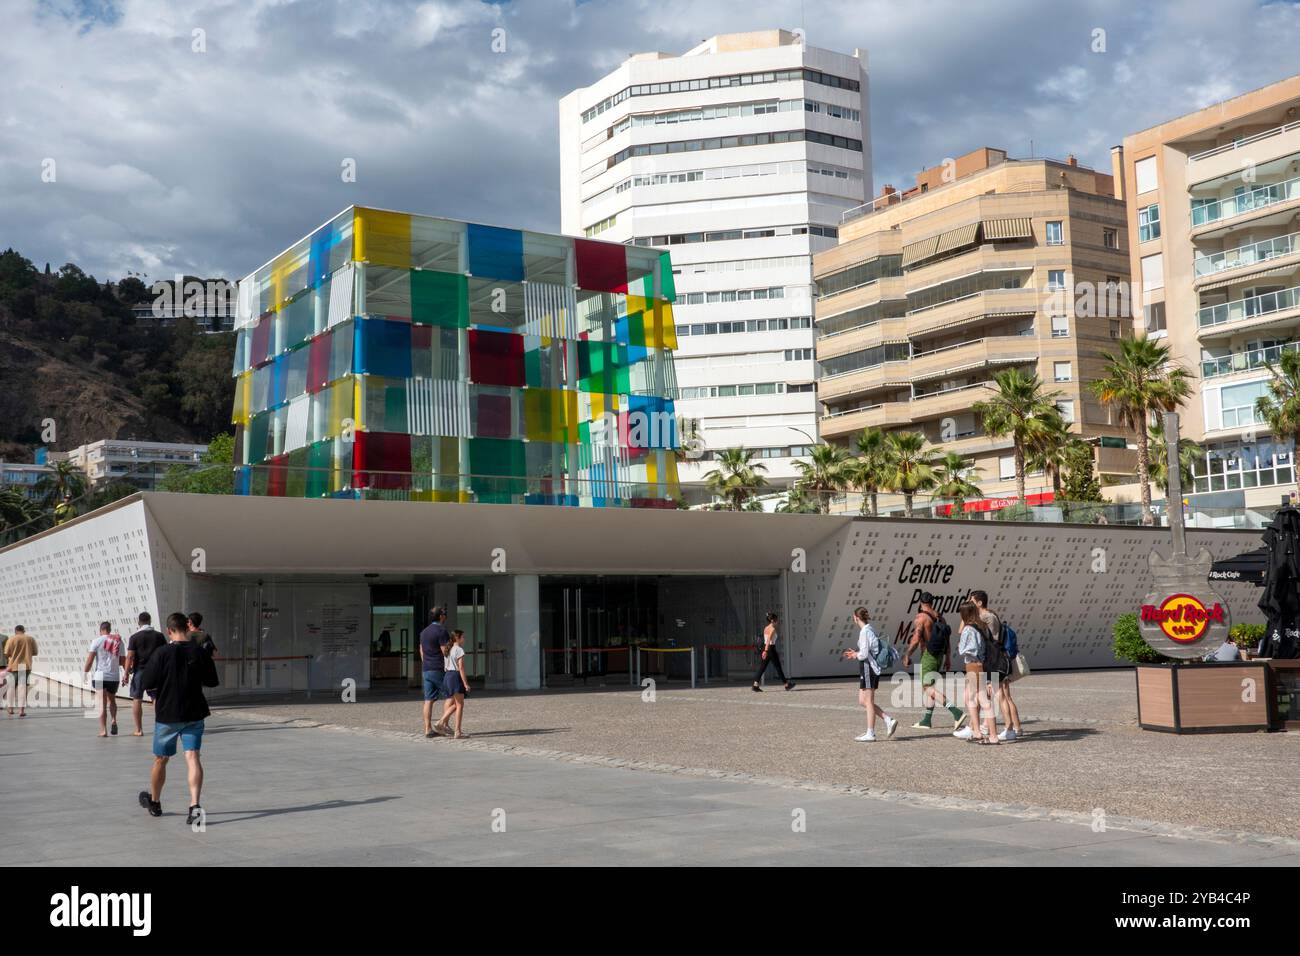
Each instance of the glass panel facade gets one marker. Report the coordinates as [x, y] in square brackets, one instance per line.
[397, 356]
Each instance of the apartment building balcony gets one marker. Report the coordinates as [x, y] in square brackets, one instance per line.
[989, 257]
[1272, 310]
[1228, 159]
[1240, 262]
[975, 354]
[971, 445]
[1116, 461]
[1245, 361]
[948, 401]
[862, 380]
[990, 302]
[1235, 211]
[884, 289]
[864, 337]
[840, 424]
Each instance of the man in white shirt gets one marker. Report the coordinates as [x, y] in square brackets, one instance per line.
[107, 658]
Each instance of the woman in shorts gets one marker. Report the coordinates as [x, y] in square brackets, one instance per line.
[970, 645]
[868, 675]
[455, 684]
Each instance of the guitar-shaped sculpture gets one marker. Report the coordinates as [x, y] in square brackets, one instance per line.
[1182, 617]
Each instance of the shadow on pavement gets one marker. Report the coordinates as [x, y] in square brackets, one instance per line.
[307, 808]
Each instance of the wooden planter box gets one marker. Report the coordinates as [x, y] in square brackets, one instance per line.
[1204, 698]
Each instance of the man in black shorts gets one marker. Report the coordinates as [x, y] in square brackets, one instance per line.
[139, 648]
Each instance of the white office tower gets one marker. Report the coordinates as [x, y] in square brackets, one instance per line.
[738, 157]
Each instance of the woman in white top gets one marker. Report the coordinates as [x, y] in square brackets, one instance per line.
[868, 675]
[455, 683]
[769, 653]
[970, 645]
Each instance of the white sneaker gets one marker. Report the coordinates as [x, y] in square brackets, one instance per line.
[866, 738]
[1008, 734]
[891, 725]
[964, 734]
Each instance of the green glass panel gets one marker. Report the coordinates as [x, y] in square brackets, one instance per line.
[439, 298]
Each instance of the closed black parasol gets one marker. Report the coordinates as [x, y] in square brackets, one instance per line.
[1280, 601]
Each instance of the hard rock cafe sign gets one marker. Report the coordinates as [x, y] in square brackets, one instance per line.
[1183, 618]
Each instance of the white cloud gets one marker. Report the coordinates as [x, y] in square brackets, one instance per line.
[172, 160]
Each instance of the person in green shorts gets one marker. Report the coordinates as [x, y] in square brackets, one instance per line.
[931, 636]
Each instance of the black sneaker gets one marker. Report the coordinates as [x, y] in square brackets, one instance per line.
[113, 729]
[789, 685]
[153, 806]
[196, 812]
[756, 689]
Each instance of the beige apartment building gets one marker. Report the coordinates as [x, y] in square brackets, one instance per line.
[1214, 210]
[987, 263]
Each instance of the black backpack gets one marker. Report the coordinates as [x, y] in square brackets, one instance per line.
[995, 659]
[940, 635]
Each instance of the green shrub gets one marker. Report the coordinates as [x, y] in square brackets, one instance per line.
[1129, 645]
[1246, 635]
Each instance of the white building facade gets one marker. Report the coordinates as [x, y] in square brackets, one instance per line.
[739, 157]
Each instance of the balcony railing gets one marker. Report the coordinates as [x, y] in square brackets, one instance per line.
[1245, 361]
[1260, 197]
[1240, 309]
[1247, 255]
[1247, 141]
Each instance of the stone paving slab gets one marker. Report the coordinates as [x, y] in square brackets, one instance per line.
[287, 793]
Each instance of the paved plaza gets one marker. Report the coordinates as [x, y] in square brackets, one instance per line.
[711, 775]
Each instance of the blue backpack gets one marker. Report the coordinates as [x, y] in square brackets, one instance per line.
[886, 655]
[1009, 641]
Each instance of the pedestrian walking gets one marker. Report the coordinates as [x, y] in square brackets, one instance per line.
[456, 684]
[106, 657]
[932, 638]
[769, 654]
[178, 672]
[970, 645]
[140, 646]
[433, 645]
[868, 655]
[1004, 636]
[20, 649]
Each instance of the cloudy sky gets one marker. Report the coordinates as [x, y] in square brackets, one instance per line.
[169, 158]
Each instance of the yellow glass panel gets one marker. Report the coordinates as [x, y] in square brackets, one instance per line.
[382, 238]
[243, 396]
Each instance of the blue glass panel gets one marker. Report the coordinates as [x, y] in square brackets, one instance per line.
[383, 348]
[496, 253]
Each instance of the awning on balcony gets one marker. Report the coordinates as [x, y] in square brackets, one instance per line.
[916, 251]
[1275, 271]
[956, 238]
[1018, 228]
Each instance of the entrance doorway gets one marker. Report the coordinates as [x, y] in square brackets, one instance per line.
[392, 634]
[471, 617]
[588, 626]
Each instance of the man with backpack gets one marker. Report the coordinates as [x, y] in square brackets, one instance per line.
[932, 636]
[1000, 658]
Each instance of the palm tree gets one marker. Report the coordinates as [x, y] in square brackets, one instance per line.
[1188, 454]
[16, 509]
[1280, 408]
[737, 477]
[952, 479]
[797, 502]
[64, 478]
[1054, 457]
[909, 466]
[1020, 408]
[1141, 379]
[867, 470]
[825, 472]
